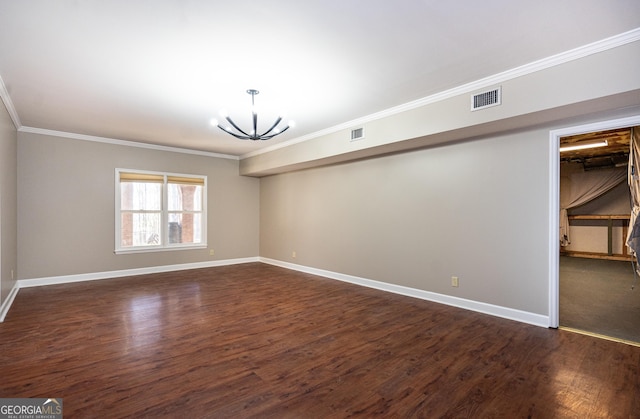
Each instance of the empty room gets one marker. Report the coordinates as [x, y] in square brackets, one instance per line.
[315, 209]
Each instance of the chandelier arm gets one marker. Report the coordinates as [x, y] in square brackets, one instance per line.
[268, 137]
[233, 124]
[241, 137]
[275, 124]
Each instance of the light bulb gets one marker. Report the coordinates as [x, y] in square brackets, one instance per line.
[214, 122]
[292, 124]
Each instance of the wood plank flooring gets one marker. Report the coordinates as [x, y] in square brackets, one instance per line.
[255, 340]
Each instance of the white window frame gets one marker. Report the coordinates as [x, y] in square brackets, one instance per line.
[165, 215]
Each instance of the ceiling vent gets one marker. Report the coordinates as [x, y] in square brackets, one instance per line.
[357, 134]
[486, 99]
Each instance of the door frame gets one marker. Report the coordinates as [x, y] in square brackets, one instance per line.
[554, 201]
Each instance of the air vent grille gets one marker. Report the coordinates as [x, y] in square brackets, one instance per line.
[357, 134]
[486, 99]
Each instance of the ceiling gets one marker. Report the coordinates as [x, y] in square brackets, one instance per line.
[157, 71]
[614, 154]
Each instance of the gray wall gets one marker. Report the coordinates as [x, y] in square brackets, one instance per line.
[8, 198]
[66, 206]
[472, 201]
[477, 210]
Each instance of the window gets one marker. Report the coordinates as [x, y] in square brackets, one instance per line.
[159, 211]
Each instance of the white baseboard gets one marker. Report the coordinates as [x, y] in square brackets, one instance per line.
[64, 279]
[4, 308]
[494, 310]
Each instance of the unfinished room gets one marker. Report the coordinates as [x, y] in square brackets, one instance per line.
[598, 206]
[320, 209]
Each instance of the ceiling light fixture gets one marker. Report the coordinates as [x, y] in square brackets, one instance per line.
[253, 134]
[585, 145]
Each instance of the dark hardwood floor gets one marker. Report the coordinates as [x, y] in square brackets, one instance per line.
[256, 340]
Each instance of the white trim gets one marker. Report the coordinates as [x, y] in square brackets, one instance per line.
[554, 226]
[494, 310]
[164, 211]
[4, 308]
[554, 201]
[558, 59]
[169, 248]
[126, 143]
[535, 66]
[65, 279]
[490, 309]
[8, 103]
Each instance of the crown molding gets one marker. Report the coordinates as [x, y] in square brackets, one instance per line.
[126, 143]
[535, 66]
[8, 103]
[539, 65]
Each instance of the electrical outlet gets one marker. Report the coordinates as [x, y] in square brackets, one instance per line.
[454, 281]
[293, 254]
[211, 252]
[12, 275]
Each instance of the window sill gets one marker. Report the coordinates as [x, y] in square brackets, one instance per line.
[159, 249]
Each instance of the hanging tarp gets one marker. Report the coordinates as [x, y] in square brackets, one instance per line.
[585, 187]
[633, 236]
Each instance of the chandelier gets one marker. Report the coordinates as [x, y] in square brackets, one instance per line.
[238, 132]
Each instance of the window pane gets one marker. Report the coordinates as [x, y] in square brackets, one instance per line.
[141, 229]
[185, 228]
[184, 197]
[159, 210]
[141, 196]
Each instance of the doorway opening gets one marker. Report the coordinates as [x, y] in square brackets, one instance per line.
[591, 271]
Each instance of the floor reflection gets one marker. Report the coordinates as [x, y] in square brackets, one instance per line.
[143, 321]
[147, 317]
